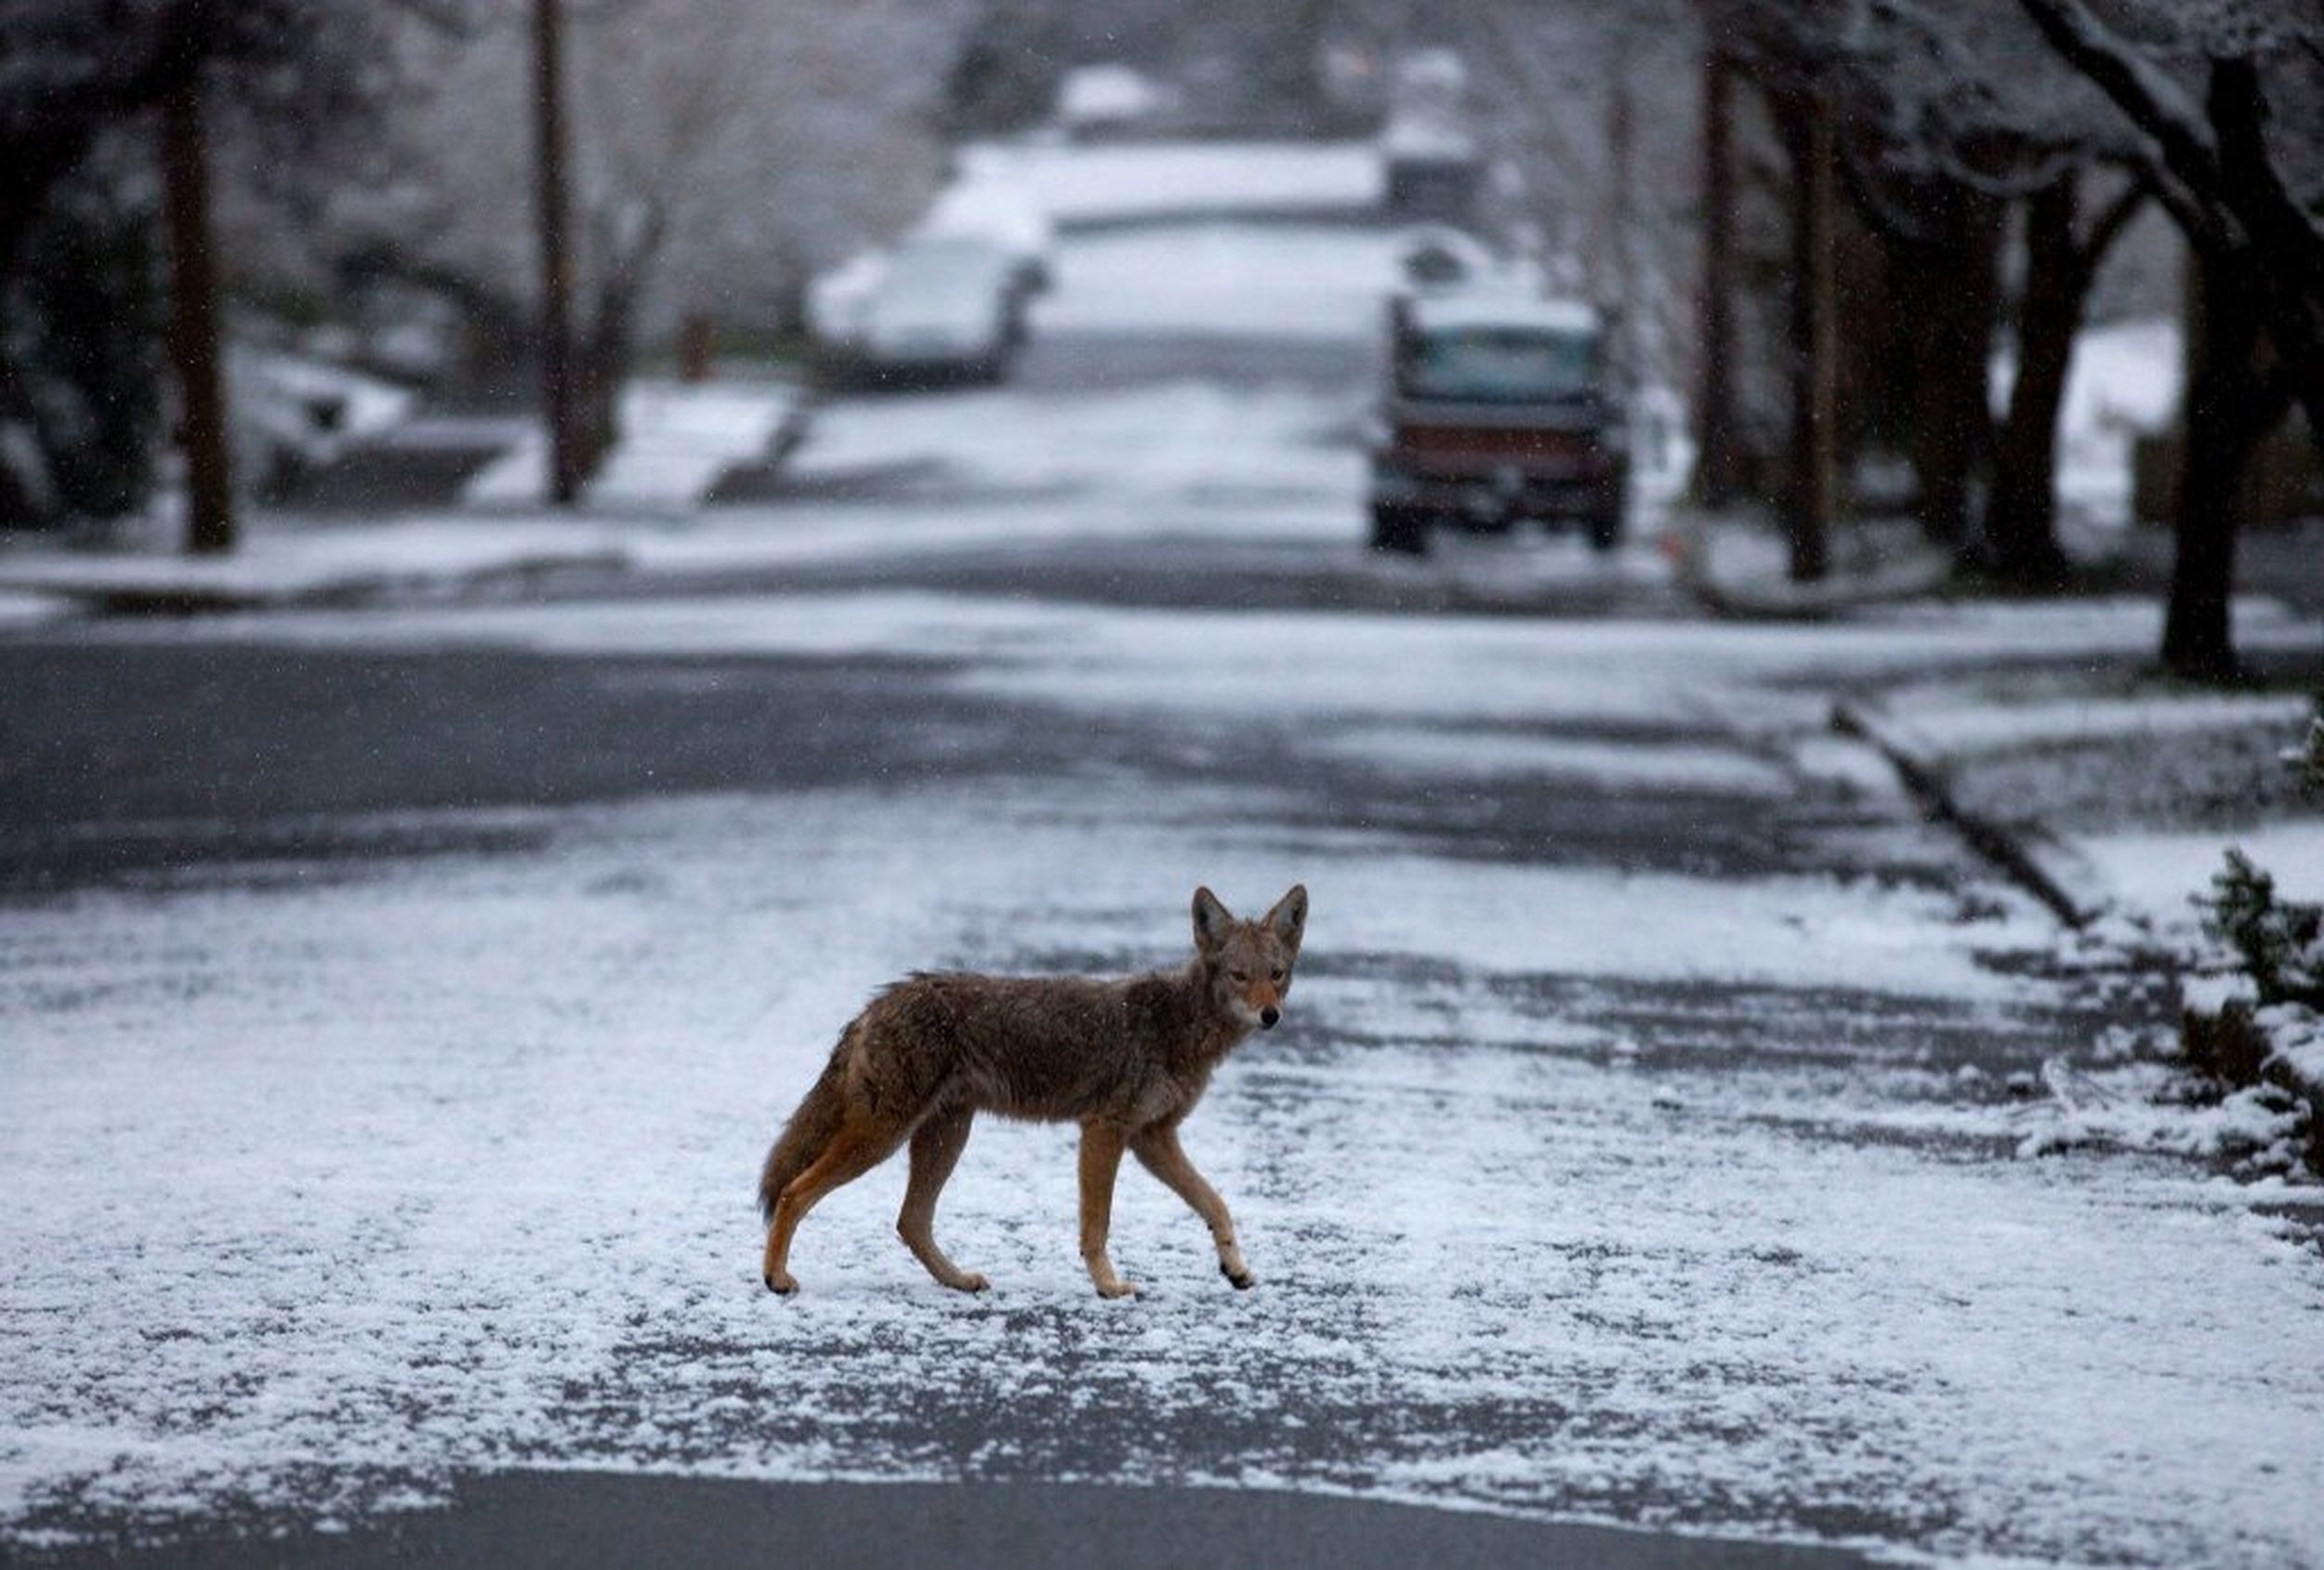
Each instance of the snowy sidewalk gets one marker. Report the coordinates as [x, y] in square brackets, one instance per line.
[280, 565]
[677, 440]
[2045, 756]
[2115, 798]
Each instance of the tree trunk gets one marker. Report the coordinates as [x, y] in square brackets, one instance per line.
[565, 465]
[600, 370]
[193, 325]
[1951, 439]
[2226, 409]
[1815, 344]
[2287, 241]
[1718, 445]
[2020, 518]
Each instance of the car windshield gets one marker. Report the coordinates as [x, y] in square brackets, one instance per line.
[1500, 364]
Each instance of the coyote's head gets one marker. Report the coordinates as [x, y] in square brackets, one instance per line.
[1249, 962]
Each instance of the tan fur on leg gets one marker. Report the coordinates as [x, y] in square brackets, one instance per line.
[1102, 1143]
[936, 1149]
[1159, 1151]
[855, 1150]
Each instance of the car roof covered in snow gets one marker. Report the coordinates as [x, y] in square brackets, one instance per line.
[1489, 308]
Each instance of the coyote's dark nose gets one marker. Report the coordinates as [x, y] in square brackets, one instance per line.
[1267, 1018]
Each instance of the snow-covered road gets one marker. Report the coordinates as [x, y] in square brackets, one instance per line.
[1637, 1149]
[395, 1006]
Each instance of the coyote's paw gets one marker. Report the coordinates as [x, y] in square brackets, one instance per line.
[1243, 1279]
[969, 1281]
[1116, 1289]
[781, 1282]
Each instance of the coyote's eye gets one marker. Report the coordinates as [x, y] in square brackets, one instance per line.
[1240, 975]
[1276, 974]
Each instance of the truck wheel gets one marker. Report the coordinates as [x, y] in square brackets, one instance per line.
[1398, 530]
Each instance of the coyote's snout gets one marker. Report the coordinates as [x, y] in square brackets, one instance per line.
[1125, 1059]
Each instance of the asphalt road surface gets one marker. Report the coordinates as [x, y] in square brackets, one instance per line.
[593, 1519]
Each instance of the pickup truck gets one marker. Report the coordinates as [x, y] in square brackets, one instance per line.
[1500, 408]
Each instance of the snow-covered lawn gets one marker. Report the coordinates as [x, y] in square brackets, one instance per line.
[1575, 1186]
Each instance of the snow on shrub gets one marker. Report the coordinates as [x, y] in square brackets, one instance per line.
[2254, 1025]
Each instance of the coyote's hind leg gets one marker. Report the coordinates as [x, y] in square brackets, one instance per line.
[854, 1150]
[936, 1149]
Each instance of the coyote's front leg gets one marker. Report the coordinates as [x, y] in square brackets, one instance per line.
[1102, 1145]
[1159, 1151]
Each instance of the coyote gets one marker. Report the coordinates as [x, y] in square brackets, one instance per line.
[1125, 1059]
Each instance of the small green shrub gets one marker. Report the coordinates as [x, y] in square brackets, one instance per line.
[2281, 943]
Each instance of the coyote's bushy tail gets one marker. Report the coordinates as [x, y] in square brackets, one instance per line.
[812, 1127]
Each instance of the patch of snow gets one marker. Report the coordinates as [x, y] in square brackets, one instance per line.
[1226, 278]
[2139, 1111]
[2159, 874]
[1114, 183]
[1966, 727]
[2123, 382]
[1107, 95]
[676, 440]
[29, 610]
[278, 562]
[1839, 761]
[2295, 1036]
[1177, 445]
[1500, 755]
[1007, 215]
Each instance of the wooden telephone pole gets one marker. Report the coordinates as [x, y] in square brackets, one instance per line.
[549, 124]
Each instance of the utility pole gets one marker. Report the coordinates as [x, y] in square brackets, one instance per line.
[548, 122]
[194, 347]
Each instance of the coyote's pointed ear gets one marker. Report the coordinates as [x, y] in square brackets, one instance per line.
[1289, 919]
[1213, 921]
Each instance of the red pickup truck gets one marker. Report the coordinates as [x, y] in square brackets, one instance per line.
[1500, 408]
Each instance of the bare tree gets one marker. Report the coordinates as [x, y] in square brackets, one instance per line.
[721, 151]
[2230, 97]
[79, 76]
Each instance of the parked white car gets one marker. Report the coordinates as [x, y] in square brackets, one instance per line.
[943, 309]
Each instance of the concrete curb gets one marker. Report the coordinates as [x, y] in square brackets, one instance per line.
[2031, 859]
[140, 591]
